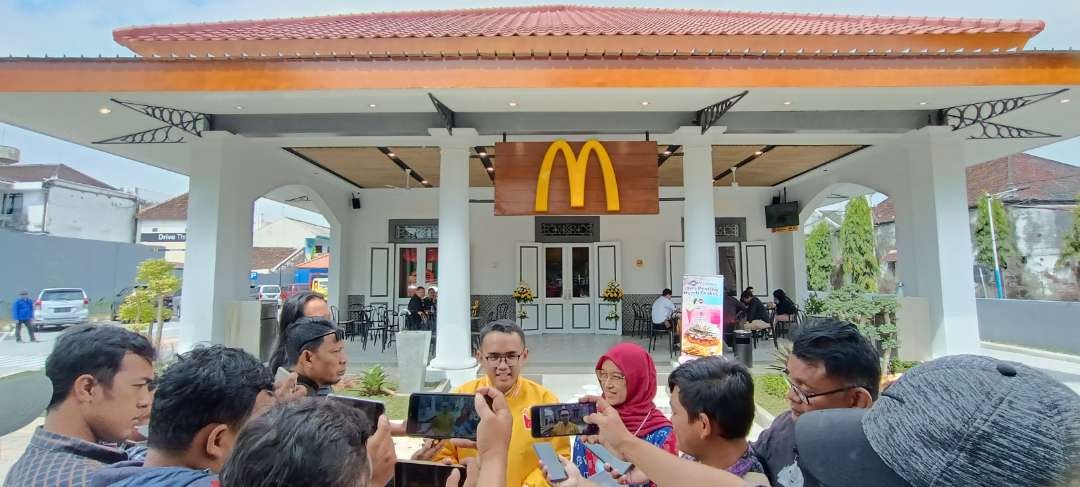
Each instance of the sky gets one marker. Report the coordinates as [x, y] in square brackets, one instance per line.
[84, 27]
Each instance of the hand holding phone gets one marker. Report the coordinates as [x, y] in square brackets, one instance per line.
[556, 472]
[371, 409]
[433, 415]
[551, 420]
[617, 464]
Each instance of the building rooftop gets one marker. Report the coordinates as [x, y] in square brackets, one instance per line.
[28, 173]
[271, 257]
[171, 209]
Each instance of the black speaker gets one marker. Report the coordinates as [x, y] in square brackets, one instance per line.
[355, 202]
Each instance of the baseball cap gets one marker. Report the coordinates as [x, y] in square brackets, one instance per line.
[23, 397]
[958, 420]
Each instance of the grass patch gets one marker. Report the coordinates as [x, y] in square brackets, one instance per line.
[770, 392]
[397, 406]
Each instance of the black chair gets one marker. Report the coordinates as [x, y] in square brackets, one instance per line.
[502, 312]
[784, 327]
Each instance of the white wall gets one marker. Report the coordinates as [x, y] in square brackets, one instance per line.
[493, 238]
[77, 211]
[286, 232]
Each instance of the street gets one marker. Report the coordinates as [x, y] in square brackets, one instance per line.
[15, 357]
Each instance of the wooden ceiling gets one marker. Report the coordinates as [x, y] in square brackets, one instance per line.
[368, 167]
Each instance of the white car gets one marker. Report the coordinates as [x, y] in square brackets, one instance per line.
[268, 292]
[61, 307]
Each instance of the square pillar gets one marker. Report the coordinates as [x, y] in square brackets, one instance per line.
[934, 240]
[453, 320]
[219, 230]
[699, 208]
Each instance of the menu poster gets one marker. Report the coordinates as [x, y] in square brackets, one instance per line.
[702, 317]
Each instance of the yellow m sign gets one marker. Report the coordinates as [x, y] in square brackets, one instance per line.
[576, 167]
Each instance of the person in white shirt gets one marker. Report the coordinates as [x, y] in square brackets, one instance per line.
[663, 310]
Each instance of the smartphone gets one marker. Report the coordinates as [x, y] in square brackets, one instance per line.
[617, 464]
[371, 409]
[436, 415]
[546, 453]
[568, 419]
[411, 473]
[281, 374]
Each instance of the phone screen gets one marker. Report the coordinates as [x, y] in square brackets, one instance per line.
[442, 416]
[424, 474]
[546, 453]
[562, 420]
[371, 409]
[617, 464]
[281, 374]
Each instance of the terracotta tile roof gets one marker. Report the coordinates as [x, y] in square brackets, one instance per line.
[1039, 179]
[567, 20]
[320, 262]
[173, 209]
[26, 173]
[271, 257]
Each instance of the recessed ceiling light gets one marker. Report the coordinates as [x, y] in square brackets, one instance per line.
[787, 102]
[645, 103]
[922, 103]
[390, 154]
[238, 107]
[491, 169]
[758, 153]
[667, 153]
[1065, 100]
[104, 110]
[483, 154]
[372, 105]
[423, 182]
[512, 104]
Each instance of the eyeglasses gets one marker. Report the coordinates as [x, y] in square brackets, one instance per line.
[605, 378]
[339, 334]
[493, 359]
[804, 397]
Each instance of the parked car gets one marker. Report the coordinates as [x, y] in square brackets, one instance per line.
[171, 302]
[293, 289]
[61, 307]
[268, 292]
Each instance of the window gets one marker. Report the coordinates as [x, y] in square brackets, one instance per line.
[11, 204]
[154, 230]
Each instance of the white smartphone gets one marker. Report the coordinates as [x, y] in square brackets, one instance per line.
[546, 453]
[281, 374]
[617, 464]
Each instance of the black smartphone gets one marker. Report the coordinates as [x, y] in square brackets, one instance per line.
[411, 473]
[371, 409]
[617, 464]
[435, 415]
[562, 420]
[546, 453]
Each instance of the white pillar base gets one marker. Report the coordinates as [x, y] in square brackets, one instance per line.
[456, 375]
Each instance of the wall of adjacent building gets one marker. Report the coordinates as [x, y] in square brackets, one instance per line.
[78, 211]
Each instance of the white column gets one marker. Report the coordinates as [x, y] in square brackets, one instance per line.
[800, 280]
[341, 262]
[218, 258]
[699, 208]
[934, 240]
[453, 343]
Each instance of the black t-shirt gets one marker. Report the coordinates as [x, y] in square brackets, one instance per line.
[775, 448]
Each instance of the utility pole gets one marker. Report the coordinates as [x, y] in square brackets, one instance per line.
[993, 239]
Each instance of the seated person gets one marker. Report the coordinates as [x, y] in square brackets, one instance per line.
[785, 307]
[663, 309]
[502, 355]
[733, 313]
[418, 309]
[102, 377]
[315, 349]
[757, 315]
[564, 427]
[627, 377]
[201, 403]
[831, 365]
[311, 441]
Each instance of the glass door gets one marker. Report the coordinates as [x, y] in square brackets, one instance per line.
[569, 288]
[417, 266]
[728, 260]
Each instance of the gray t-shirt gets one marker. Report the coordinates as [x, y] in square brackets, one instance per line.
[775, 449]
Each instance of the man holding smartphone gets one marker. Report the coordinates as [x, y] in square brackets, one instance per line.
[503, 354]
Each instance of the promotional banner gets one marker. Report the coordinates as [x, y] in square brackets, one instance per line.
[702, 317]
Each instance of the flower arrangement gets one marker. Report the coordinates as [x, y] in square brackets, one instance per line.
[612, 315]
[612, 293]
[523, 294]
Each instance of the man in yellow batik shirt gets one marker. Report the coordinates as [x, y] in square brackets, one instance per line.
[564, 427]
[502, 354]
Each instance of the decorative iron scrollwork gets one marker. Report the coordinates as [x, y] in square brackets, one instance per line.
[160, 135]
[445, 112]
[193, 123]
[963, 116]
[711, 114]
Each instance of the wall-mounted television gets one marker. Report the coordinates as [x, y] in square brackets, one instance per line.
[782, 215]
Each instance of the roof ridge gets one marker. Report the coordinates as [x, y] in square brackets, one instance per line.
[174, 198]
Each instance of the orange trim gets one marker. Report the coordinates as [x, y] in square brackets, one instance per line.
[137, 75]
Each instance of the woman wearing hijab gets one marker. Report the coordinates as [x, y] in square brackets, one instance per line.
[627, 377]
[300, 305]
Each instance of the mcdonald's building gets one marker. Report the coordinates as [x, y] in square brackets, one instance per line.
[563, 148]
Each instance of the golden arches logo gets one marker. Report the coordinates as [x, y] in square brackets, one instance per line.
[576, 167]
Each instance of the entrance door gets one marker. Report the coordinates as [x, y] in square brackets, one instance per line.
[569, 288]
[729, 261]
[417, 265]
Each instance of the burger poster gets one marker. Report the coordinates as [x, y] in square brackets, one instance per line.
[702, 317]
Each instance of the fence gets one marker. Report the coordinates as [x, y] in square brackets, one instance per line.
[1046, 325]
[35, 262]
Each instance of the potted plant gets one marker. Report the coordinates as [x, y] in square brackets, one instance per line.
[522, 294]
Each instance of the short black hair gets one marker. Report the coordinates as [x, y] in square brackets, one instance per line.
[501, 326]
[291, 310]
[207, 385]
[97, 350]
[308, 441]
[845, 352]
[418, 288]
[722, 389]
[665, 292]
[302, 335]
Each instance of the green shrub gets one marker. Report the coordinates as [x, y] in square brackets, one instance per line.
[875, 317]
[374, 382]
[901, 366]
[141, 307]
